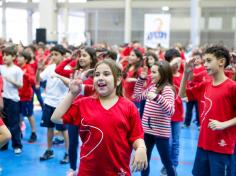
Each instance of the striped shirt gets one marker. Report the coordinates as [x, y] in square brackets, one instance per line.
[157, 112]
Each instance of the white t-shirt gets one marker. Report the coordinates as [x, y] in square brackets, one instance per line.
[15, 73]
[55, 88]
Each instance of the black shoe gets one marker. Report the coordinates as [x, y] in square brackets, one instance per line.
[48, 154]
[57, 141]
[65, 159]
[33, 138]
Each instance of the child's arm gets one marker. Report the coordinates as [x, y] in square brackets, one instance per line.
[139, 94]
[65, 80]
[75, 88]
[140, 158]
[5, 135]
[60, 69]
[217, 125]
[16, 83]
[188, 69]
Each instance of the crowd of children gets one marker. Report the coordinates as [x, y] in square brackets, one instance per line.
[128, 99]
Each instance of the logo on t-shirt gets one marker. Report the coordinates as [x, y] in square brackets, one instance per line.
[222, 143]
[122, 172]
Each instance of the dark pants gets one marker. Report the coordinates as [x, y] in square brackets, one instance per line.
[189, 112]
[233, 163]
[73, 132]
[37, 91]
[162, 145]
[209, 163]
[141, 107]
[11, 111]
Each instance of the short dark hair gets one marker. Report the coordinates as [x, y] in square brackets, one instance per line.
[10, 50]
[26, 55]
[171, 53]
[59, 48]
[219, 52]
[197, 53]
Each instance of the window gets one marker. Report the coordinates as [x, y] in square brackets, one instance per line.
[16, 25]
[76, 28]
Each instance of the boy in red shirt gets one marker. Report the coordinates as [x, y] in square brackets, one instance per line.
[26, 92]
[215, 148]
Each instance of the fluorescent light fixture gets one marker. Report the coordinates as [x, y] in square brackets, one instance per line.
[165, 8]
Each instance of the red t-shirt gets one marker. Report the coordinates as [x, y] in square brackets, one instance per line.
[29, 79]
[199, 75]
[219, 104]
[107, 135]
[229, 73]
[129, 86]
[1, 122]
[1, 58]
[179, 111]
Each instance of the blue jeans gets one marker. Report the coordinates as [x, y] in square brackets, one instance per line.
[162, 145]
[209, 163]
[233, 163]
[174, 142]
[73, 132]
[189, 112]
[37, 91]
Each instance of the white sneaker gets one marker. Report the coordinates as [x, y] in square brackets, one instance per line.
[71, 172]
[17, 150]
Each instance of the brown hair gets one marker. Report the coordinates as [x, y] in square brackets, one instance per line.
[116, 72]
[137, 65]
[11, 50]
[152, 54]
[92, 53]
[26, 56]
[166, 75]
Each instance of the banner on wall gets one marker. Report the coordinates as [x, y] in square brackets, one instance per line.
[157, 30]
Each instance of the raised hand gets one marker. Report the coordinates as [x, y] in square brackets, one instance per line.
[152, 94]
[144, 72]
[189, 66]
[86, 74]
[75, 84]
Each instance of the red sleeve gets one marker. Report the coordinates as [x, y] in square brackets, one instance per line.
[195, 93]
[1, 122]
[136, 130]
[1, 58]
[30, 76]
[72, 116]
[60, 69]
[88, 90]
[229, 73]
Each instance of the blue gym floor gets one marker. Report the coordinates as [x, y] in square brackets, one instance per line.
[28, 164]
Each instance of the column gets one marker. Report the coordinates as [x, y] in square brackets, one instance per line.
[96, 18]
[128, 20]
[48, 18]
[195, 22]
[4, 31]
[66, 19]
[29, 24]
